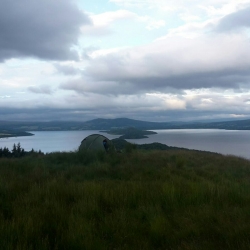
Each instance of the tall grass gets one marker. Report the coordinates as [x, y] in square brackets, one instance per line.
[135, 200]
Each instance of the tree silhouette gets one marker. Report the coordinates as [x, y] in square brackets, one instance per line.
[17, 151]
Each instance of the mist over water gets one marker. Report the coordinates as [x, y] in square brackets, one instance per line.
[234, 142]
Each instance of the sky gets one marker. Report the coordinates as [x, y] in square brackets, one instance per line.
[152, 60]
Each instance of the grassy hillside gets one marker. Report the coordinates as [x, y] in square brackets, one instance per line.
[135, 200]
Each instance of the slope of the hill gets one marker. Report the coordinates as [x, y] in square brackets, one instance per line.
[170, 199]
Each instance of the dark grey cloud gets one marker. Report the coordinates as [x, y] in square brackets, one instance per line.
[165, 84]
[45, 29]
[223, 79]
[235, 21]
[82, 85]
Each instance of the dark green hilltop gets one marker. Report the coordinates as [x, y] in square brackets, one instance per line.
[138, 199]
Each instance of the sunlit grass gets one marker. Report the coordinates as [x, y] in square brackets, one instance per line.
[134, 200]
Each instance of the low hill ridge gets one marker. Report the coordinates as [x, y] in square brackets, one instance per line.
[107, 124]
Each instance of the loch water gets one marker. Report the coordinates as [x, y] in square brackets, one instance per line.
[51, 141]
[227, 142]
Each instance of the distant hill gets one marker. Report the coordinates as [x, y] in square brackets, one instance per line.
[125, 123]
[41, 126]
[229, 125]
[107, 124]
[96, 124]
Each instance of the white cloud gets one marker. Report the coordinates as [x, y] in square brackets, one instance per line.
[5, 96]
[42, 89]
[101, 23]
[103, 52]
[188, 17]
[68, 68]
[217, 100]
[107, 18]
[192, 29]
[222, 60]
[171, 102]
[224, 9]
[178, 4]
[156, 25]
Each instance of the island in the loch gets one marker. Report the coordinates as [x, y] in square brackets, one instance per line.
[130, 133]
[11, 133]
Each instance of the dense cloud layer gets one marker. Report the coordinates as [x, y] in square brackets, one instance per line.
[45, 29]
[196, 67]
[221, 61]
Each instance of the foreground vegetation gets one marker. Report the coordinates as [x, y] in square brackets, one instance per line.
[134, 200]
[17, 152]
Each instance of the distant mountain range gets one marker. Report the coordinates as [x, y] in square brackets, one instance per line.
[107, 124]
[125, 122]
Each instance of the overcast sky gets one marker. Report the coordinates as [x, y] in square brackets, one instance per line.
[154, 60]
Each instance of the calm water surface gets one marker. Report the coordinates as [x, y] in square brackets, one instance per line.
[235, 142]
[51, 141]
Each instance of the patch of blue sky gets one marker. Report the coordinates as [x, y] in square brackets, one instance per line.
[119, 39]
[128, 33]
